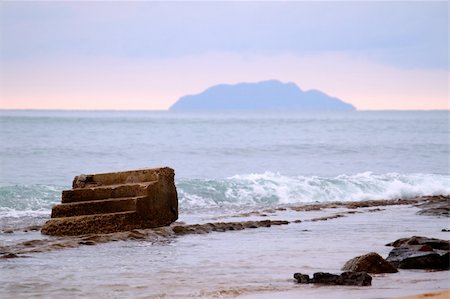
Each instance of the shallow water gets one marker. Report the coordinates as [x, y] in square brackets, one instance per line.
[249, 262]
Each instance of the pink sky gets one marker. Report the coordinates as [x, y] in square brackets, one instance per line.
[146, 55]
[134, 84]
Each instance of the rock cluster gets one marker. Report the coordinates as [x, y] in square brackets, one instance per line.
[419, 253]
[349, 278]
[111, 202]
[409, 253]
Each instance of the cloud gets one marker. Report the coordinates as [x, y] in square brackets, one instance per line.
[403, 34]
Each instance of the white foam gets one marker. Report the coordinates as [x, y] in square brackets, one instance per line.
[258, 189]
[273, 188]
[13, 213]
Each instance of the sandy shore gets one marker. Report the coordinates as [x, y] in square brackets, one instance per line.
[433, 295]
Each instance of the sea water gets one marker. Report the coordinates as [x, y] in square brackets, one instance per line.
[229, 159]
[225, 163]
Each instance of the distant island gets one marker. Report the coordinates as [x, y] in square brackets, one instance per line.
[265, 95]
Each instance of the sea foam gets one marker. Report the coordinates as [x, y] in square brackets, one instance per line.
[260, 189]
[270, 188]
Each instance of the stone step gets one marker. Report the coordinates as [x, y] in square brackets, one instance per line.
[93, 224]
[105, 192]
[110, 202]
[103, 206]
[121, 177]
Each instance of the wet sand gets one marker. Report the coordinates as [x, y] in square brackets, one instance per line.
[433, 295]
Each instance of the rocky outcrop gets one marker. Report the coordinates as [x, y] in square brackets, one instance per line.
[370, 263]
[149, 234]
[417, 240]
[111, 202]
[435, 206]
[419, 253]
[349, 278]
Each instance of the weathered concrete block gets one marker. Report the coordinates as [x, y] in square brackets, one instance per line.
[109, 202]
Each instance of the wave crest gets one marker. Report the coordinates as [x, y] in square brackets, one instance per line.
[263, 189]
[273, 188]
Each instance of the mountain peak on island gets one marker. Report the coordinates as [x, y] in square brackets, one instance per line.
[265, 95]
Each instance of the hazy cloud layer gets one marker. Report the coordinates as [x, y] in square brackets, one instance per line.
[62, 39]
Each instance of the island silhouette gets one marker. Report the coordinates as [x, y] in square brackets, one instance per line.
[265, 95]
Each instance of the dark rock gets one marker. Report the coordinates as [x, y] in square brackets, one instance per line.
[87, 243]
[325, 218]
[417, 240]
[8, 231]
[445, 261]
[325, 278]
[410, 258]
[419, 253]
[181, 230]
[435, 206]
[445, 230]
[352, 278]
[370, 263]
[426, 261]
[9, 256]
[302, 278]
[424, 248]
[346, 278]
[279, 222]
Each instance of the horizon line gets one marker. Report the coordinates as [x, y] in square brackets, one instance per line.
[213, 111]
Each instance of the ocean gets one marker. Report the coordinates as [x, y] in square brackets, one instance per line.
[224, 163]
[227, 159]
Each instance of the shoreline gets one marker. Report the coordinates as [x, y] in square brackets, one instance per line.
[430, 205]
[431, 295]
[243, 255]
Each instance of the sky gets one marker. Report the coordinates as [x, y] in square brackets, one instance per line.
[146, 55]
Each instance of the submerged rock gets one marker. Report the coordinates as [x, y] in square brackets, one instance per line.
[419, 253]
[435, 206]
[302, 278]
[325, 278]
[370, 263]
[9, 256]
[111, 202]
[350, 278]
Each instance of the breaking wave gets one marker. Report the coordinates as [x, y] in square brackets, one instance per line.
[273, 188]
[264, 189]
[28, 200]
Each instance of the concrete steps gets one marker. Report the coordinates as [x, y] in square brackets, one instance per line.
[88, 224]
[105, 192]
[109, 202]
[101, 206]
